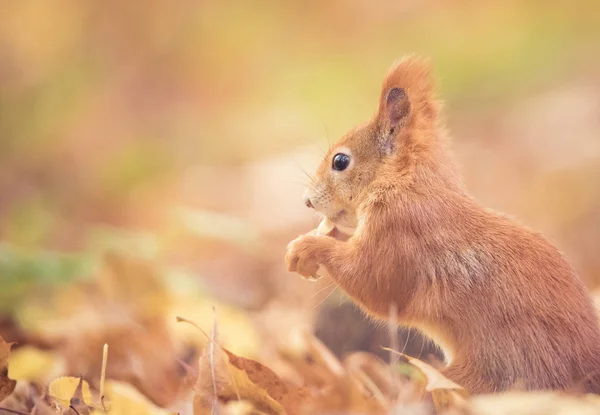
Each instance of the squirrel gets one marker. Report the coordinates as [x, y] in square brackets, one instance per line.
[502, 303]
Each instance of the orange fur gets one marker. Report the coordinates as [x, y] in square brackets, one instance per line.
[501, 301]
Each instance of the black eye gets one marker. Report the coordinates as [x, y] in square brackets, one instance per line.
[340, 162]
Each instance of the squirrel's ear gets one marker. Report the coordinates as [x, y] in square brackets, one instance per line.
[396, 108]
[393, 113]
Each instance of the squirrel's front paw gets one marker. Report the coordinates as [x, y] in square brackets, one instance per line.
[302, 256]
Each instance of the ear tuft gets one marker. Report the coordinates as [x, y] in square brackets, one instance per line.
[410, 85]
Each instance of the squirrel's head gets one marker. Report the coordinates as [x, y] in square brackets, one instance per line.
[397, 133]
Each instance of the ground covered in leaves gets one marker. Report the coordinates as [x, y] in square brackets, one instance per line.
[138, 338]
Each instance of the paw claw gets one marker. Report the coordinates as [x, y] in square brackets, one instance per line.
[313, 278]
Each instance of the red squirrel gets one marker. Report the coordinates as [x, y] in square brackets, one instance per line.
[504, 305]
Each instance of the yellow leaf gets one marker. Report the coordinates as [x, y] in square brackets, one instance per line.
[123, 399]
[30, 363]
[7, 385]
[63, 389]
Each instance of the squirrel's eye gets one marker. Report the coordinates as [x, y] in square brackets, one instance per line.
[340, 162]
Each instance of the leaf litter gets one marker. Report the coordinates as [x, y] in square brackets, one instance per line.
[158, 365]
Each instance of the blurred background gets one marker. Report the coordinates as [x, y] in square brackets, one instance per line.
[152, 156]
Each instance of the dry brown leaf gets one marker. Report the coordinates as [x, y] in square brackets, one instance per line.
[444, 392]
[262, 376]
[236, 378]
[7, 385]
[77, 402]
[219, 381]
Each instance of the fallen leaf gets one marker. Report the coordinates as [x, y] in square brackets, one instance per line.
[64, 389]
[262, 376]
[7, 385]
[445, 393]
[123, 399]
[30, 363]
[77, 402]
[226, 377]
[220, 381]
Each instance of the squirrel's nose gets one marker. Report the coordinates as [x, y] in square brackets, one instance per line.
[307, 201]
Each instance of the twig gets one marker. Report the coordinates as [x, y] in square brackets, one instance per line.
[185, 320]
[103, 375]
[214, 409]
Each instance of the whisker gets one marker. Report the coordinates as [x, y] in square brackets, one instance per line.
[326, 297]
[310, 177]
[320, 290]
[422, 347]
[407, 338]
[322, 150]
[326, 133]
